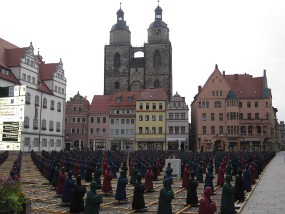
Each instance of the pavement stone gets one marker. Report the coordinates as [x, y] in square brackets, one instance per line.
[268, 195]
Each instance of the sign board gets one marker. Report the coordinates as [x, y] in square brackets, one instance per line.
[175, 165]
[10, 146]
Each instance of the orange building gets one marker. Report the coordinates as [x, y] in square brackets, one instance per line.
[233, 113]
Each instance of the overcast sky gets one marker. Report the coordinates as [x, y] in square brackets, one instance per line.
[244, 36]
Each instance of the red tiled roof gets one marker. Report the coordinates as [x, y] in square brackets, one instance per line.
[152, 94]
[47, 70]
[13, 56]
[11, 77]
[100, 104]
[4, 45]
[245, 86]
[124, 99]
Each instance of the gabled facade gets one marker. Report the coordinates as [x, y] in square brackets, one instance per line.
[76, 123]
[122, 120]
[43, 126]
[151, 120]
[177, 130]
[233, 113]
[98, 123]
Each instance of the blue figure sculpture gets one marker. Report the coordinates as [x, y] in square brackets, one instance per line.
[121, 194]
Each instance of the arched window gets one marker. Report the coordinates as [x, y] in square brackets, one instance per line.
[45, 102]
[37, 100]
[58, 126]
[117, 63]
[52, 105]
[156, 60]
[26, 122]
[59, 107]
[117, 85]
[258, 130]
[156, 84]
[51, 125]
[44, 124]
[28, 98]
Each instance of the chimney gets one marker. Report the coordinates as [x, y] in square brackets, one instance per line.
[199, 88]
[224, 73]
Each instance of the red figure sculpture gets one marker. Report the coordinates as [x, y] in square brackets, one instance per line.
[207, 206]
[186, 174]
[252, 173]
[148, 180]
[76, 169]
[107, 186]
[221, 175]
[60, 181]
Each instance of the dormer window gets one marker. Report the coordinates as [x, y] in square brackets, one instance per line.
[130, 99]
[118, 99]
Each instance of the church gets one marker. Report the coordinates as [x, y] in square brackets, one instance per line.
[125, 72]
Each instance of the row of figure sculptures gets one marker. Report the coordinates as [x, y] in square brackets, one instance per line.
[60, 168]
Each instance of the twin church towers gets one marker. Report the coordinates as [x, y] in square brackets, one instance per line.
[125, 72]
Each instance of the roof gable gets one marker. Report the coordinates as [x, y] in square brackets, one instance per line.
[100, 104]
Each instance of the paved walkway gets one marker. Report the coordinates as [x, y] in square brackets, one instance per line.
[269, 194]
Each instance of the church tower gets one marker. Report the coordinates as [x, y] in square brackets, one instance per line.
[117, 57]
[125, 72]
[158, 55]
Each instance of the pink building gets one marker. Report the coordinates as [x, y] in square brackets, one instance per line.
[76, 122]
[233, 113]
[98, 123]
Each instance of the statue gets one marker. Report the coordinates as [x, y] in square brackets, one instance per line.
[97, 175]
[138, 203]
[68, 188]
[186, 175]
[168, 175]
[200, 173]
[227, 203]
[207, 206]
[107, 185]
[165, 197]
[55, 175]
[209, 181]
[192, 198]
[239, 187]
[93, 201]
[221, 174]
[77, 202]
[121, 194]
[148, 180]
[60, 181]
[246, 178]
[134, 174]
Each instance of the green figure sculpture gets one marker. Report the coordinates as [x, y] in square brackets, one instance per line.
[228, 203]
[93, 201]
[165, 197]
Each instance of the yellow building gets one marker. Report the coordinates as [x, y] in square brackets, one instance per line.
[151, 120]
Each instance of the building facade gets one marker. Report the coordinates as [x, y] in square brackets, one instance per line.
[123, 71]
[76, 122]
[177, 130]
[45, 98]
[151, 120]
[233, 113]
[281, 128]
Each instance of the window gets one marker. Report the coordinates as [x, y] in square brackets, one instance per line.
[183, 129]
[170, 129]
[24, 77]
[26, 122]
[140, 130]
[204, 130]
[240, 104]
[123, 111]
[35, 123]
[58, 143]
[117, 132]
[132, 121]
[80, 108]
[156, 60]
[256, 115]
[55, 88]
[117, 85]
[160, 130]
[78, 120]
[146, 130]
[97, 130]
[249, 116]
[153, 117]
[77, 131]
[256, 104]
[127, 121]
[59, 107]
[182, 115]
[212, 129]
[58, 126]
[217, 104]
[127, 132]
[160, 117]
[117, 121]
[130, 99]
[156, 84]
[160, 106]
[51, 125]
[91, 119]
[140, 118]
[83, 120]
[146, 117]
[37, 100]
[221, 130]
[122, 131]
[33, 80]
[153, 130]
[241, 116]
[52, 105]
[28, 78]
[44, 142]
[248, 104]
[28, 98]
[204, 118]
[112, 132]
[170, 115]
[44, 124]
[147, 106]
[122, 121]
[98, 119]
[132, 132]
[117, 62]
[45, 102]
[212, 117]
[176, 129]
[118, 99]
[221, 117]
[112, 121]
[91, 131]
[141, 106]
[154, 106]
[176, 116]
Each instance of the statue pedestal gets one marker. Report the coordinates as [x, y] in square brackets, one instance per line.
[176, 166]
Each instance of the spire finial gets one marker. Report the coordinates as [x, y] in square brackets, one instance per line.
[120, 4]
[38, 51]
[216, 66]
[158, 2]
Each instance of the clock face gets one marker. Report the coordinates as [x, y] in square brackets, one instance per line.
[157, 31]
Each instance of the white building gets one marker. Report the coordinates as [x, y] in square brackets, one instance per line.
[43, 126]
